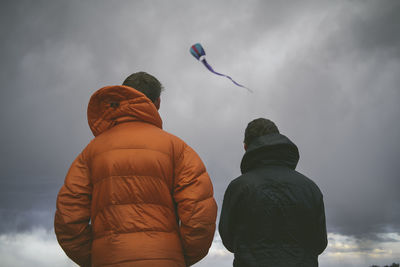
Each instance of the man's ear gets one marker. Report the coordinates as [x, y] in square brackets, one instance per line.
[157, 103]
[245, 146]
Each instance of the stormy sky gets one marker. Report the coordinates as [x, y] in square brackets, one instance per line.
[326, 72]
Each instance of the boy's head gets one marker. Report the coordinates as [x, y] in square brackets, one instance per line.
[257, 128]
[145, 83]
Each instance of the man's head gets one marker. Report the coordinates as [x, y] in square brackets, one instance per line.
[147, 84]
[257, 128]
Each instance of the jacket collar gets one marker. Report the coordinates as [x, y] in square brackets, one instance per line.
[112, 105]
[270, 149]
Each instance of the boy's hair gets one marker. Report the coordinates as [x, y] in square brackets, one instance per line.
[257, 128]
[145, 83]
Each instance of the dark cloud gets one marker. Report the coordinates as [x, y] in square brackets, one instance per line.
[362, 68]
[27, 202]
[326, 72]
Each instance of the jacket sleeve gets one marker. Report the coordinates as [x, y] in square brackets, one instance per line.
[71, 222]
[226, 227]
[321, 236]
[196, 207]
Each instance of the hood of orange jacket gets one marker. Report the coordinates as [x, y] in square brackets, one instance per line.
[115, 104]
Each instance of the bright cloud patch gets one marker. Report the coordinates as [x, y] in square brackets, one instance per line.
[40, 248]
[36, 248]
[348, 251]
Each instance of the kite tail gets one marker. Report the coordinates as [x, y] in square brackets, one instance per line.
[204, 61]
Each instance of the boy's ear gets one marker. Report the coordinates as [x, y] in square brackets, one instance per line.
[157, 103]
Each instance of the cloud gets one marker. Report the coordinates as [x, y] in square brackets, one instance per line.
[349, 251]
[36, 248]
[39, 247]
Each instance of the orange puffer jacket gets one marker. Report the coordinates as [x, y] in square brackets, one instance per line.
[136, 195]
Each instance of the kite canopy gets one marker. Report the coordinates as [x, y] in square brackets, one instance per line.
[198, 52]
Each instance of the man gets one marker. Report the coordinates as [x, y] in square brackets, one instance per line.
[136, 195]
[271, 214]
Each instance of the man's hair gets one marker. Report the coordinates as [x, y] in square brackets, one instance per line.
[145, 83]
[257, 128]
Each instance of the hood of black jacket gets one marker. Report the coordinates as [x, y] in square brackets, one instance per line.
[270, 149]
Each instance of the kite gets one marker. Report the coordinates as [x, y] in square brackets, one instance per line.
[198, 52]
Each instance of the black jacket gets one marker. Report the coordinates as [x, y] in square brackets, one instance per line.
[271, 214]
